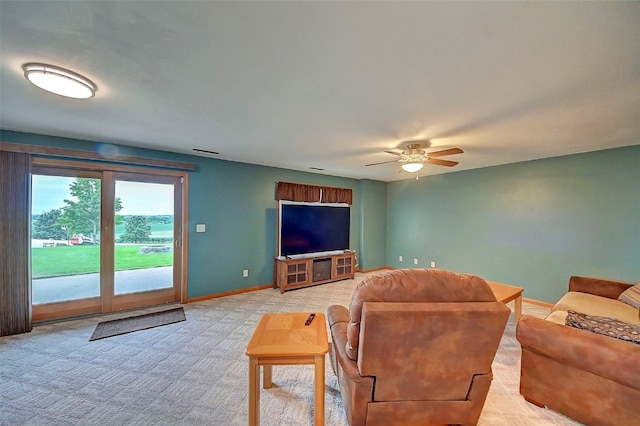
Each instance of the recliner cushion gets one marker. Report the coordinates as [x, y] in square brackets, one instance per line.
[412, 286]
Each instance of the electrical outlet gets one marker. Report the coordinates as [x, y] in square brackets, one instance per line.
[245, 273]
[433, 264]
[399, 258]
[415, 261]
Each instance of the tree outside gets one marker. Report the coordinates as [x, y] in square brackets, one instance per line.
[48, 226]
[136, 230]
[79, 216]
[84, 214]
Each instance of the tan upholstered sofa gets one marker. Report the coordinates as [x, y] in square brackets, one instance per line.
[590, 377]
[415, 347]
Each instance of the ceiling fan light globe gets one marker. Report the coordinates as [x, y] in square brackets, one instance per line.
[412, 167]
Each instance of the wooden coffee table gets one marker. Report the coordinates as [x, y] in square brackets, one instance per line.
[506, 293]
[284, 339]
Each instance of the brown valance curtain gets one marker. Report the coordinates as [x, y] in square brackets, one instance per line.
[313, 193]
[336, 195]
[297, 192]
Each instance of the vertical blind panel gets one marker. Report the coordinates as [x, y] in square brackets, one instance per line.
[15, 280]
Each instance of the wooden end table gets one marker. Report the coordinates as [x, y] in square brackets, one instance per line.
[284, 339]
[506, 293]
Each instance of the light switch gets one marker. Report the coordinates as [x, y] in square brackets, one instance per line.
[200, 227]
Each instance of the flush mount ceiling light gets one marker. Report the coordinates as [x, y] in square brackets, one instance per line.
[412, 166]
[59, 81]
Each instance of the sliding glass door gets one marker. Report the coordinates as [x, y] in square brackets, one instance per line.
[65, 241]
[104, 241]
[147, 239]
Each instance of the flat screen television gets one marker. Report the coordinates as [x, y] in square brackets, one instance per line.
[312, 228]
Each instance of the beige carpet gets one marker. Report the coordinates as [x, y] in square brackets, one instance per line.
[195, 372]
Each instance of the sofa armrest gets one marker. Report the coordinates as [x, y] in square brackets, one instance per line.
[598, 286]
[604, 356]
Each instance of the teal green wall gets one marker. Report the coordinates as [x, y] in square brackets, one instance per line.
[373, 233]
[531, 224]
[236, 203]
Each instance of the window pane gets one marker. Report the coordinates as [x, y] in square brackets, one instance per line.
[144, 236]
[65, 250]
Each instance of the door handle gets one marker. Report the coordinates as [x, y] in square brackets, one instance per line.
[179, 242]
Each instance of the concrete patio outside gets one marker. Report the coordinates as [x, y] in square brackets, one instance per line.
[70, 287]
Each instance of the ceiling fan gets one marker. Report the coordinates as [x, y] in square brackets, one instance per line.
[414, 158]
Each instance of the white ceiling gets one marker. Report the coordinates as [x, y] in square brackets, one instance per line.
[332, 84]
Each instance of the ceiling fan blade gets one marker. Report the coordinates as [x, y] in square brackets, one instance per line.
[382, 162]
[446, 163]
[393, 152]
[449, 151]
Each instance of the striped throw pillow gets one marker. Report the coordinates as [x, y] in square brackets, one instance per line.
[631, 296]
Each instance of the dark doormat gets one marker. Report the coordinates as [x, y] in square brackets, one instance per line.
[137, 323]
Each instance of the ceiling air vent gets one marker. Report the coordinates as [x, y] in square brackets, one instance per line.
[206, 151]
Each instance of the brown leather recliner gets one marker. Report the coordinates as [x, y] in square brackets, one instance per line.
[416, 347]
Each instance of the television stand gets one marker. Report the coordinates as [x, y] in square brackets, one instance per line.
[304, 272]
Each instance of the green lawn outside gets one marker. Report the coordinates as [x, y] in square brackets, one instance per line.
[49, 262]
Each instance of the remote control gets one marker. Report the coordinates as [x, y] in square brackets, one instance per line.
[309, 319]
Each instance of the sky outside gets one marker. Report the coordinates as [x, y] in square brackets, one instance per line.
[138, 198]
